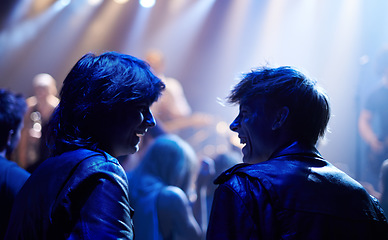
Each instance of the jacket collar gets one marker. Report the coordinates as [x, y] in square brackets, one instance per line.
[296, 148]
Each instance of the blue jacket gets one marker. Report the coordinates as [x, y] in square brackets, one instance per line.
[295, 194]
[12, 178]
[78, 195]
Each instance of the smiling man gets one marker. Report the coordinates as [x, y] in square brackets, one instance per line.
[285, 189]
[82, 191]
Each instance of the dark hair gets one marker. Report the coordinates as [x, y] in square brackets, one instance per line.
[171, 160]
[94, 92]
[286, 86]
[12, 109]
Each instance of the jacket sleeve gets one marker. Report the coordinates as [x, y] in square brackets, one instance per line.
[97, 207]
[241, 210]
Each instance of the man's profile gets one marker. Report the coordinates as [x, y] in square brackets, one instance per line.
[285, 189]
[81, 192]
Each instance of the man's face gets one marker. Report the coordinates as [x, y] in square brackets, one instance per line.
[254, 129]
[41, 92]
[123, 136]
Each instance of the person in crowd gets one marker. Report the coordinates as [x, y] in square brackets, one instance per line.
[173, 104]
[222, 162]
[285, 189]
[12, 177]
[32, 149]
[172, 112]
[173, 109]
[383, 197]
[381, 193]
[373, 123]
[82, 191]
[160, 190]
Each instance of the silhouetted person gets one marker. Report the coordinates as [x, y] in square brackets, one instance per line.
[12, 177]
[82, 191]
[32, 149]
[384, 187]
[373, 123]
[173, 110]
[285, 189]
[222, 162]
[159, 189]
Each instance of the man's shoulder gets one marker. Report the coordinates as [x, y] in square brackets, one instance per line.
[279, 172]
[81, 157]
[87, 162]
[6, 164]
[227, 174]
[10, 169]
[82, 162]
[244, 169]
[170, 197]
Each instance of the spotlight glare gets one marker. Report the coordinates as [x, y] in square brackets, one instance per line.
[60, 4]
[147, 3]
[121, 1]
[95, 2]
[65, 2]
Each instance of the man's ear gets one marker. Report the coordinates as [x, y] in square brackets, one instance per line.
[280, 117]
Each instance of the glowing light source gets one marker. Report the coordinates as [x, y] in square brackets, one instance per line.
[147, 3]
[95, 2]
[121, 1]
[65, 2]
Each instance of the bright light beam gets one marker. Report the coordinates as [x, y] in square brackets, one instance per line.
[147, 3]
[15, 36]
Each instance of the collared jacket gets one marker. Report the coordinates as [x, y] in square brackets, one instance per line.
[80, 194]
[295, 194]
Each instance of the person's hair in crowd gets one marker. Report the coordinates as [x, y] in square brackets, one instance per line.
[163, 181]
[88, 104]
[286, 86]
[12, 109]
[170, 159]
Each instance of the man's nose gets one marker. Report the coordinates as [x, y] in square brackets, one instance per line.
[234, 125]
[150, 120]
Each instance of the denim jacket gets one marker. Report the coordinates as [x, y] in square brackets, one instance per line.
[295, 194]
[80, 194]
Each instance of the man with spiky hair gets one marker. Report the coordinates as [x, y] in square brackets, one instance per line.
[285, 189]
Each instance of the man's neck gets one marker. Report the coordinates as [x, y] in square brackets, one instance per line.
[2, 153]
